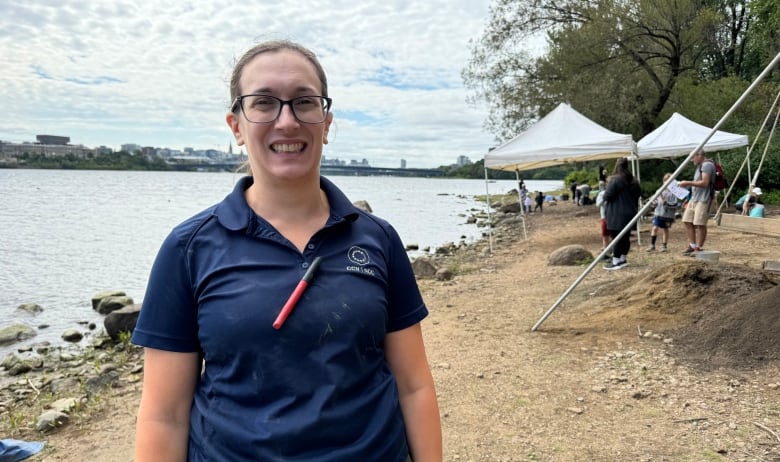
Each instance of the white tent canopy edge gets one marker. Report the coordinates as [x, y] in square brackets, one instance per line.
[562, 136]
[679, 135]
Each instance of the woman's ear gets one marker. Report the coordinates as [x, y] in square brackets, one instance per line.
[235, 127]
[328, 121]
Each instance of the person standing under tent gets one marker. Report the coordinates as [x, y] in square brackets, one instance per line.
[622, 199]
[698, 209]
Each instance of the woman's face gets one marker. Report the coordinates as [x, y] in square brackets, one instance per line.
[285, 149]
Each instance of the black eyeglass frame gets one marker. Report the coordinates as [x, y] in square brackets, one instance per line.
[239, 103]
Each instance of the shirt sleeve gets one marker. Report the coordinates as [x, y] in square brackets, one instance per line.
[406, 306]
[168, 318]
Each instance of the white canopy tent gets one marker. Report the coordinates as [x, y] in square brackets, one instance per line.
[678, 136]
[564, 135]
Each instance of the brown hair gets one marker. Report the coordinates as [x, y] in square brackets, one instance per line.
[621, 168]
[272, 47]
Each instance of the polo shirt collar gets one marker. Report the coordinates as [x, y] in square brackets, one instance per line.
[234, 213]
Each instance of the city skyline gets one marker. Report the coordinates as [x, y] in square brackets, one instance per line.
[156, 73]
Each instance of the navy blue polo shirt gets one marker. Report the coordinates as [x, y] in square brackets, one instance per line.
[318, 389]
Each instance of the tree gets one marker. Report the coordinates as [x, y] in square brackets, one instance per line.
[616, 61]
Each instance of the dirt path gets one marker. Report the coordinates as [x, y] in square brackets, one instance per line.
[585, 386]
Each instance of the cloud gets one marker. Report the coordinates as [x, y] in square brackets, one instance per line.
[156, 72]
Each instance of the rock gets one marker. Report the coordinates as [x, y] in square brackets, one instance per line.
[9, 360]
[30, 308]
[443, 274]
[65, 386]
[22, 367]
[64, 405]
[96, 384]
[72, 335]
[113, 303]
[412, 246]
[16, 333]
[50, 420]
[363, 205]
[101, 295]
[423, 267]
[569, 255]
[514, 207]
[446, 249]
[122, 320]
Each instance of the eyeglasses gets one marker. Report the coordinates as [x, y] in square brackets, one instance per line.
[263, 109]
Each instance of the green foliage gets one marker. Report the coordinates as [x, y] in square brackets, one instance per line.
[629, 66]
[476, 170]
[590, 176]
[117, 161]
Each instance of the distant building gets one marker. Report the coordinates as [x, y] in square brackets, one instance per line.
[463, 160]
[53, 140]
[47, 146]
[131, 148]
[403, 163]
[362, 163]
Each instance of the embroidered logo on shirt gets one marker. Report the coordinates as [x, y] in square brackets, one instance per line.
[359, 257]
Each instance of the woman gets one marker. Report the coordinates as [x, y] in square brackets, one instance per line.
[622, 204]
[345, 375]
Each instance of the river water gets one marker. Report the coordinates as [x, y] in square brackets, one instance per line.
[66, 235]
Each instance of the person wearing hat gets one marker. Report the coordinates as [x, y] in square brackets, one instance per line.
[755, 192]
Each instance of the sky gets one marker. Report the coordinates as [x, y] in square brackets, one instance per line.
[156, 72]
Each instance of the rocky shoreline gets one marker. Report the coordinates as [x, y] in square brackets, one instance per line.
[43, 386]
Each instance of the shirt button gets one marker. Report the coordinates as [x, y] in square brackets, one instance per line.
[304, 265]
[310, 246]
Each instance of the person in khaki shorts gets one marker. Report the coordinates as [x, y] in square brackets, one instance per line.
[697, 211]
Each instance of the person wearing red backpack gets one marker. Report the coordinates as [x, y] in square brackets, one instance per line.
[698, 209]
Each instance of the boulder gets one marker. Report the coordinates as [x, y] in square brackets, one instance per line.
[570, 255]
[363, 205]
[72, 335]
[444, 274]
[16, 333]
[30, 308]
[50, 420]
[113, 303]
[101, 295]
[122, 320]
[423, 267]
[513, 207]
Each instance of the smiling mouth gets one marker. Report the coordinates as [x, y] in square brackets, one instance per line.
[295, 147]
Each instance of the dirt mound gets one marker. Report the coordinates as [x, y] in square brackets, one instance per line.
[717, 315]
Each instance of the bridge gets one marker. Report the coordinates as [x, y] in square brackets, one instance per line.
[342, 170]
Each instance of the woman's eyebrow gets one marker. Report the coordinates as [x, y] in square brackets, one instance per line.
[268, 90]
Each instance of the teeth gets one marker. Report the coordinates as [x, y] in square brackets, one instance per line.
[297, 147]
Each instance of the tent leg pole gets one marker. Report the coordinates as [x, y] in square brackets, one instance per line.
[490, 220]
